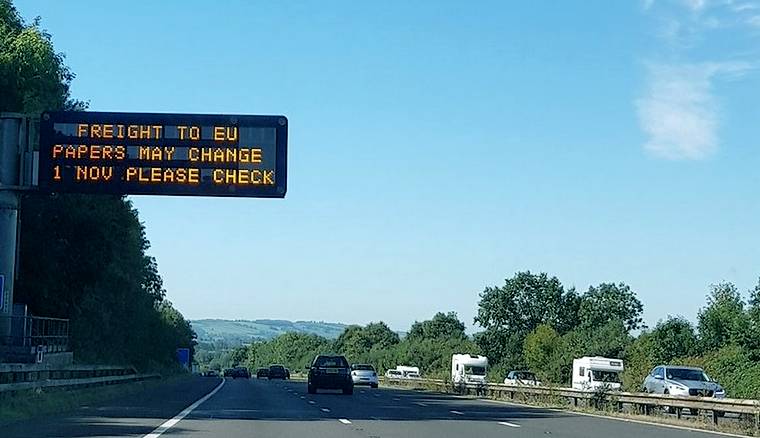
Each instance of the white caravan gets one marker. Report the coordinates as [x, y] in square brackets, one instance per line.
[468, 368]
[406, 371]
[590, 373]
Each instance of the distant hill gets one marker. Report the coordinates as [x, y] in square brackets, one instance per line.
[243, 331]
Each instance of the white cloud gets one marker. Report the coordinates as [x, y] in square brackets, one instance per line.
[695, 5]
[679, 112]
[741, 7]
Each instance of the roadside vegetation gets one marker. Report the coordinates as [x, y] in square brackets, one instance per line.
[83, 257]
[534, 322]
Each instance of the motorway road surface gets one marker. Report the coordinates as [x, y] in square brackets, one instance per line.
[260, 408]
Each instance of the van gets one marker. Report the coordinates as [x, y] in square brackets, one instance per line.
[591, 373]
[468, 368]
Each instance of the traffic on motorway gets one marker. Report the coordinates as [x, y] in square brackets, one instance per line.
[588, 373]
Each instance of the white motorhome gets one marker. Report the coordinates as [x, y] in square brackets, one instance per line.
[590, 373]
[468, 368]
[406, 371]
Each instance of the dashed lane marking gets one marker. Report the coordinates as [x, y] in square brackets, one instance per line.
[507, 423]
[344, 421]
[457, 412]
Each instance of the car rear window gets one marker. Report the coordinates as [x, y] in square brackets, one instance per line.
[277, 368]
[363, 367]
[331, 362]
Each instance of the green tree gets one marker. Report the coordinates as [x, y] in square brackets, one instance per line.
[33, 77]
[609, 302]
[443, 325]
[723, 321]
[609, 340]
[510, 312]
[356, 342]
[545, 352]
[673, 338]
[527, 301]
[640, 358]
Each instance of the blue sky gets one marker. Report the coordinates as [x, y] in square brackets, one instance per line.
[436, 148]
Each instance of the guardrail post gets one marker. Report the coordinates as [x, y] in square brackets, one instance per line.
[678, 413]
[715, 417]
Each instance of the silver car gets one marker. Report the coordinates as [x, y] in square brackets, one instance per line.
[364, 374]
[683, 381]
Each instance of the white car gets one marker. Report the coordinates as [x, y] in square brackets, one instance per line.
[522, 378]
[364, 374]
[394, 374]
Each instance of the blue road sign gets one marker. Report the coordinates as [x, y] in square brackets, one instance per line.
[183, 357]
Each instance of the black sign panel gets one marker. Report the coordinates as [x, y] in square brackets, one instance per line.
[164, 154]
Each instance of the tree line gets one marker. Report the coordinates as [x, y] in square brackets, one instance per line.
[83, 257]
[533, 322]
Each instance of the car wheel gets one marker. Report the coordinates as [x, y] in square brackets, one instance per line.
[348, 391]
[311, 390]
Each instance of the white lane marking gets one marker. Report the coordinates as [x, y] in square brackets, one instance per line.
[424, 405]
[377, 395]
[325, 410]
[312, 402]
[396, 399]
[507, 423]
[457, 412]
[344, 421]
[168, 424]
[303, 397]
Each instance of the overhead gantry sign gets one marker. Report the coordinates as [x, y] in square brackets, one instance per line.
[163, 154]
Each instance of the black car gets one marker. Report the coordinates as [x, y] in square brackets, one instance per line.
[277, 372]
[330, 372]
[262, 372]
[241, 372]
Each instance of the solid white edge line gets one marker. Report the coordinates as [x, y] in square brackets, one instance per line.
[457, 412]
[507, 423]
[168, 424]
[625, 420]
[344, 421]
[325, 410]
